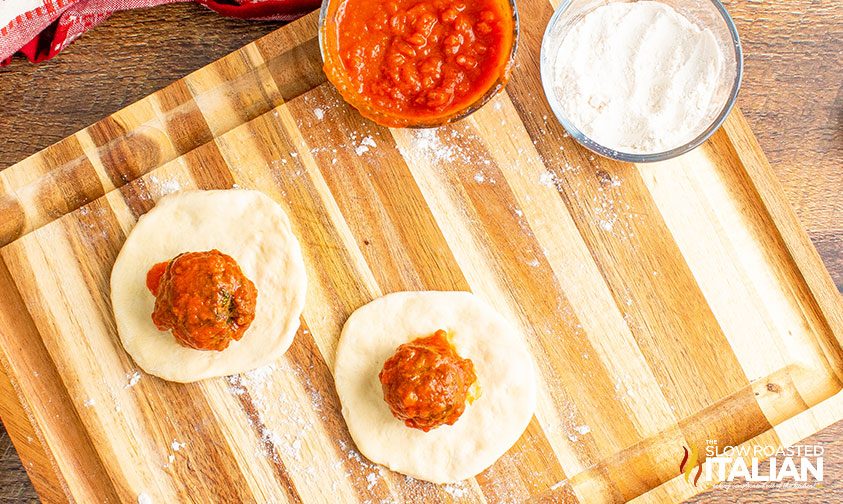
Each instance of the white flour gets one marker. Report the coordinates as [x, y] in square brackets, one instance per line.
[639, 77]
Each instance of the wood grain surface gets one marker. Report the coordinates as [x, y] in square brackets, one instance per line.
[50, 101]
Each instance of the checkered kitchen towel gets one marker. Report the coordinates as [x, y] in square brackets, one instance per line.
[40, 29]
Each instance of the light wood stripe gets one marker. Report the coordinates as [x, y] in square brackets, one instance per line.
[48, 292]
[339, 278]
[707, 244]
[260, 472]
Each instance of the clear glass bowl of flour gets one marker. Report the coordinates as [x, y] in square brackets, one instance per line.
[608, 110]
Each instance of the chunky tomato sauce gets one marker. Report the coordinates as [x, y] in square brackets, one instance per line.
[204, 298]
[426, 383]
[414, 62]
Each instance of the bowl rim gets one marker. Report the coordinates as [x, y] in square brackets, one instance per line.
[497, 86]
[593, 146]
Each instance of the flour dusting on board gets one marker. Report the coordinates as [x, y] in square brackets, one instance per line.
[452, 145]
[559, 484]
[92, 218]
[365, 144]
[286, 426]
[165, 186]
[133, 379]
[257, 384]
[285, 423]
[456, 490]
[427, 145]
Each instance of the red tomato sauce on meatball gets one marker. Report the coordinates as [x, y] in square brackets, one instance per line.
[203, 298]
[426, 383]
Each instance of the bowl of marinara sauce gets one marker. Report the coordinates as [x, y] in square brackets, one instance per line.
[418, 63]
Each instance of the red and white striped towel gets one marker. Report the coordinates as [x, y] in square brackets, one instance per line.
[40, 29]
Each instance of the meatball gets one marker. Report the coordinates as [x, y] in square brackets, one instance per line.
[426, 383]
[204, 298]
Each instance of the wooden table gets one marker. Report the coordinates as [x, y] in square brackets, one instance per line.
[792, 96]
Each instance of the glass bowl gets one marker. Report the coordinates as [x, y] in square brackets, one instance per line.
[375, 114]
[709, 14]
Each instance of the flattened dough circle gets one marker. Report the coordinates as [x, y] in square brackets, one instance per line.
[487, 428]
[248, 226]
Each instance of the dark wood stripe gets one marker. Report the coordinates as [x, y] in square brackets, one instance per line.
[183, 120]
[743, 425]
[292, 57]
[295, 71]
[26, 440]
[208, 468]
[71, 179]
[137, 197]
[208, 168]
[125, 154]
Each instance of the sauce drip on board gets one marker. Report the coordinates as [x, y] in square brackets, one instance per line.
[427, 384]
[411, 62]
[204, 298]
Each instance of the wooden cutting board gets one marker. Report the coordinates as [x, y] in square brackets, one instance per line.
[665, 304]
